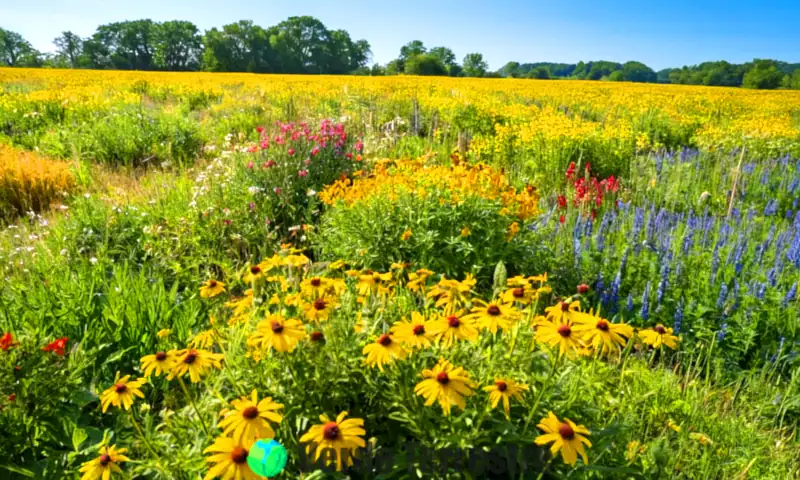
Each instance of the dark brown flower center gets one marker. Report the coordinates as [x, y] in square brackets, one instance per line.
[453, 321]
[443, 378]
[319, 304]
[276, 326]
[385, 340]
[255, 269]
[564, 306]
[190, 357]
[250, 412]
[316, 282]
[330, 431]
[602, 325]
[105, 459]
[660, 329]
[120, 388]
[212, 283]
[564, 330]
[239, 455]
[419, 330]
[161, 356]
[501, 385]
[518, 292]
[566, 432]
[317, 336]
[493, 310]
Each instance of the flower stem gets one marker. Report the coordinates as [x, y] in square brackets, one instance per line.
[144, 439]
[191, 400]
[541, 393]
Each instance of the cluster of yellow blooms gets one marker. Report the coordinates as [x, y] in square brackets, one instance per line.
[392, 178]
[525, 113]
[452, 314]
[29, 182]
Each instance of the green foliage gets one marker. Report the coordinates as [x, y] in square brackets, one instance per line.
[15, 51]
[425, 64]
[540, 73]
[474, 65]
[764, 74]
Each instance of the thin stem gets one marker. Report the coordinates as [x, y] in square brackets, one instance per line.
[144, 439]
[191, 400]
[541, 393]
[544, 469]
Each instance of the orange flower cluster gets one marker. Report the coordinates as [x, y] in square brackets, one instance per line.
[453, 184]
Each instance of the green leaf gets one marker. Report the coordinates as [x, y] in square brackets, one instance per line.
[79, 436]
[22, 471]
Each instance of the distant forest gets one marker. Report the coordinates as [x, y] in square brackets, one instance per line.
[305, 45]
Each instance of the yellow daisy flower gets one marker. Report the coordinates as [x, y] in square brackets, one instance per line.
[230, 459]
[384, 350]
[123, 391]
[414, 333]
[211, 288]
[278, 333]
[250, 419]
[195, 362]
[445, 384]
[503, 390]
[659, 335]
[565, 437]
[342, 436]
[160, 362]
[104, 465]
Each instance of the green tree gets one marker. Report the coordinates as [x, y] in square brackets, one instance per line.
[412, 48]
[540, 73]
[15, 51]
[425, 64]
[510, 70]
[475, 65]
[69, 46]
[346, 55]
[598, 70]
[178, 46]
[794, 80]
[636, 72]
[303, 45]
[129, 45]
[763, 74]
[238, 47]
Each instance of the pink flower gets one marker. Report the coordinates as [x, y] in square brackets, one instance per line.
[227, 221]
[349, 155]
[307, 161]
[250, 165]
[277, 190]
[290, 152]
[264, 144]
[269, 163]
[252, 206]
[303, 173]
[314, 151]
[359, 146]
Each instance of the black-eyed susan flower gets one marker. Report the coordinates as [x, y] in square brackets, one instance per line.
[105, 464]
[601, 334]
[452, 294]
[406, 235]
[505, 389]
[163, 333]
[453, 327]
[521, 294]
[204, 339]
[344, 437]
[195, 362]
[374, 283]
[211, 288]
[278, 333]
[417, 279]
[296, 261]
[159, 362]
[230, 460]
[254, 273]
[659, 335]
[563, 312]
[446, 384]
[314, 287]
[250, 419]
[560, 335]
[320, 308]
[493, 316]
[121, 393]
[415, 332]
[565, 437]
[382, 351]
[337, 265]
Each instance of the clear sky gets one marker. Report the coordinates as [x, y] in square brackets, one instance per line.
[657, 32]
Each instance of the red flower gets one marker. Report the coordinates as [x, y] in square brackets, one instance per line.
[260, 129]
[561, 219]
[562, 201]
[583, 289]
[571, 170]
[12, 397]
[57, 346]
[7, 341]
[290, 152]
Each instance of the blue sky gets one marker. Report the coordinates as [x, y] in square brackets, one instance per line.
[656, 32]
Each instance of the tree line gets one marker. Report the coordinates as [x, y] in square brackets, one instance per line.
[305, 45]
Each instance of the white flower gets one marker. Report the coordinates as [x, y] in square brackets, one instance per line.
[311, 192]
[87, 195]
[253, 190]
[63, 251]
[93, 260]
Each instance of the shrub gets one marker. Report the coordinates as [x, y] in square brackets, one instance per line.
[449, 219]
[29, 182]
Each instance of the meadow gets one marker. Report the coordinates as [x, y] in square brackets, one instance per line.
[396, 277]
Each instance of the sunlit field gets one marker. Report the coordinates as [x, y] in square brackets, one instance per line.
[396, 277]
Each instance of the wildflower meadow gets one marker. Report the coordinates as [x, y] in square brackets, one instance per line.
[396, 277]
